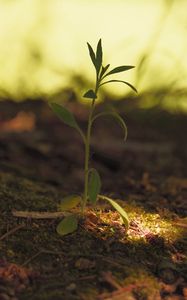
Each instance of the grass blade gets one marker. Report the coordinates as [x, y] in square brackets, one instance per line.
[119, 209]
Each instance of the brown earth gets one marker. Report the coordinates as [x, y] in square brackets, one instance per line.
[41, 161]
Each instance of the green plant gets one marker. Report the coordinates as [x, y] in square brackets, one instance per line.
[92, 181]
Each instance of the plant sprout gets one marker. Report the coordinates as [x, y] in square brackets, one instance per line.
[92, 180]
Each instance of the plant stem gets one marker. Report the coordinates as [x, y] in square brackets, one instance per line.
[86, 163]
[87, 150]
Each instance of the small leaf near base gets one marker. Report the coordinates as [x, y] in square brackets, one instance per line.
[68, 225]
[90, 94]
[69, 202]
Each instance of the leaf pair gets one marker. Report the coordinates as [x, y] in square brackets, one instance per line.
[114, 71]
[70, 223]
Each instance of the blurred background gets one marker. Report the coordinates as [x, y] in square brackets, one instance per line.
[44, 52]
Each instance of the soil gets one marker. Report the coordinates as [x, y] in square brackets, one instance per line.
[41, 162]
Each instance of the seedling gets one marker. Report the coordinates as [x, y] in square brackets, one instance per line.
[92, 180]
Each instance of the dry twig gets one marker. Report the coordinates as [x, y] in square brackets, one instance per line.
[38, 215]
[11, 231]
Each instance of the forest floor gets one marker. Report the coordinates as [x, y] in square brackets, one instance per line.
[41, 161]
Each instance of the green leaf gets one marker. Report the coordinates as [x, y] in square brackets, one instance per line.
[68, 225]
[116, 116]
[119, 209]
[94, 185]
[125, 82]
[69, 202]
[99, 56]
[103, 70]
[119, 69]
[92, 55]
[90, 94]
[65, 115]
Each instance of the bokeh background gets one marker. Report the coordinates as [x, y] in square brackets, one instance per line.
[43, 47]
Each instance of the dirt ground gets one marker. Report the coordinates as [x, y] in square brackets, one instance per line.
[41, 161]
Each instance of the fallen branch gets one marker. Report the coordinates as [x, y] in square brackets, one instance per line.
[38, 215]
[45, 214]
